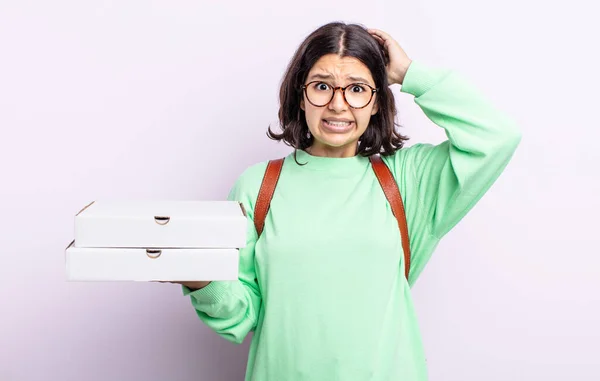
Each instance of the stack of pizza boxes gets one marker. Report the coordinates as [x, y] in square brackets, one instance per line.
[127, 240]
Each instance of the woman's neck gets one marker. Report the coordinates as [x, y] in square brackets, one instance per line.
[328, 151]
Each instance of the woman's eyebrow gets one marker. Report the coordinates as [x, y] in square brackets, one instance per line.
[329, 76]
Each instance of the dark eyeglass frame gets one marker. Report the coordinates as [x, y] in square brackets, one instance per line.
[373, 91]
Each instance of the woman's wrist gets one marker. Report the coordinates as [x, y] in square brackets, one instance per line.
[193, 286]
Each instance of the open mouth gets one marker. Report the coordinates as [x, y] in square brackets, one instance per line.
[337, 126]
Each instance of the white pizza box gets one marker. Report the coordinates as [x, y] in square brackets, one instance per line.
[139, 264]
[161, 224]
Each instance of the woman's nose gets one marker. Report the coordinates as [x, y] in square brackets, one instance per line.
[338, 102]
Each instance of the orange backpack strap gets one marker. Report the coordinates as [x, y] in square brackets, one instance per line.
[392, 193]
[265, 194]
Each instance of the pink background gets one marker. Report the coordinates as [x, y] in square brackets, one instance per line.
[171, 100]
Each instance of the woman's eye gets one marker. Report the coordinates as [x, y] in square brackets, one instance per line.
[322, 86]
[358, 89]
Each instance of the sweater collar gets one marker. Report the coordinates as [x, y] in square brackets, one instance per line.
[333, 165]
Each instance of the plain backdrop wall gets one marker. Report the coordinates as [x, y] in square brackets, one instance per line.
[171, 100]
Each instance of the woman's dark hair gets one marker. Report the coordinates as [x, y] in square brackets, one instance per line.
[346, 40]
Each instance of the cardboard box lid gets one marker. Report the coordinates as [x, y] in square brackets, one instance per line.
[161, 210]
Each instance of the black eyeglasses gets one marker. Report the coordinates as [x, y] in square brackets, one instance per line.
[357, 95]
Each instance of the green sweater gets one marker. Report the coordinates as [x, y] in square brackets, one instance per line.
[324, 287]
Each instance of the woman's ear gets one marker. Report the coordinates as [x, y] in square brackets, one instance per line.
[302, 104]
[375, 108]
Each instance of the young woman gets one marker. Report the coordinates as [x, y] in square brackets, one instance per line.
[323, 287]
